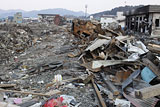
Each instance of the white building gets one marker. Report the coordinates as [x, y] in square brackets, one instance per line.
[119, 18]
[105, 19]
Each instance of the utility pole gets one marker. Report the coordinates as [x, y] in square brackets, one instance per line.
[86, 6]
[125, 3]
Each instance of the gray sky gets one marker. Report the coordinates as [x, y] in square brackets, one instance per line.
[76, 5]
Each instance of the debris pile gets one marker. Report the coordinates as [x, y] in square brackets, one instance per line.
[121, 60]
[93, 67]
[86, 30]
[15, 40]
[43, 72]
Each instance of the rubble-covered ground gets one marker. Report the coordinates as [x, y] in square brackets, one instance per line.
[47, 44]
[44, 65]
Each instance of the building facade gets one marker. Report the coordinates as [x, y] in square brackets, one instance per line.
[106, 19]
[121, 19]
[18, 17]
[145, 19]
[9, 19]
[51, 18]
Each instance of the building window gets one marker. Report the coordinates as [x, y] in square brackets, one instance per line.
[157, 22]
[137, 18]
[140, 18]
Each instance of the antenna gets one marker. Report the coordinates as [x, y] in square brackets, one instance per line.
[86, 6]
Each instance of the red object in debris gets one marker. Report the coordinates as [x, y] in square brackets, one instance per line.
[57, 20]
[55, 103]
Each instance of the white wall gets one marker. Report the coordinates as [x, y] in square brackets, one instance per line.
[122, 24]
[105, 20]
[120, 16]
[155, 30]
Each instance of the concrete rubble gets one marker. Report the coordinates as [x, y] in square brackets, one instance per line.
[45, 65]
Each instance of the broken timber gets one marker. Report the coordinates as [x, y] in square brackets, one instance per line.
[7, 85]
[103, 104]
[109, 84]
[98, 94]
[154, 48]
[154, 68]
[148, 92]
[22, 92]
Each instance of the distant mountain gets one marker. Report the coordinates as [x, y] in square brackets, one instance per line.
[34, 13]
[115, 10]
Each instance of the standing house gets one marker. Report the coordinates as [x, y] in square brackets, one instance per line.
[18, 17]
[145, 19]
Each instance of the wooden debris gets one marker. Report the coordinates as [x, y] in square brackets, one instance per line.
[148, 92]
[68, 80]
[104, 37]
[23, 92]
[53, 92]
[153, 67]
[113, 32]
[98, 94]
[71, 55]
[7, 85]
[85, 79]
[154, 48]
[109, 84]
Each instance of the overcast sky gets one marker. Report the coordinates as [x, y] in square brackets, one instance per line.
[76, 5]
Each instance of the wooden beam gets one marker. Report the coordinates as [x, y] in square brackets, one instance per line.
[7, 85]
[109, 84]
[24, 92]
[101, 100]
[148, 92]
[153, 67]
[154, 48]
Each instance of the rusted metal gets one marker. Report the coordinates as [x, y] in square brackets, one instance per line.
[87, 28]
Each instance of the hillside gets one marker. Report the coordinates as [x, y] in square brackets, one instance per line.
[5, 13]
[115, 10]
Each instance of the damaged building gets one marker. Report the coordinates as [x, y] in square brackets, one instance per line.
[145, 19]
[119, 18]
[51, 18]
[105, 19]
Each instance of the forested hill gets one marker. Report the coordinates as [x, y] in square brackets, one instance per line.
[115, 10]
